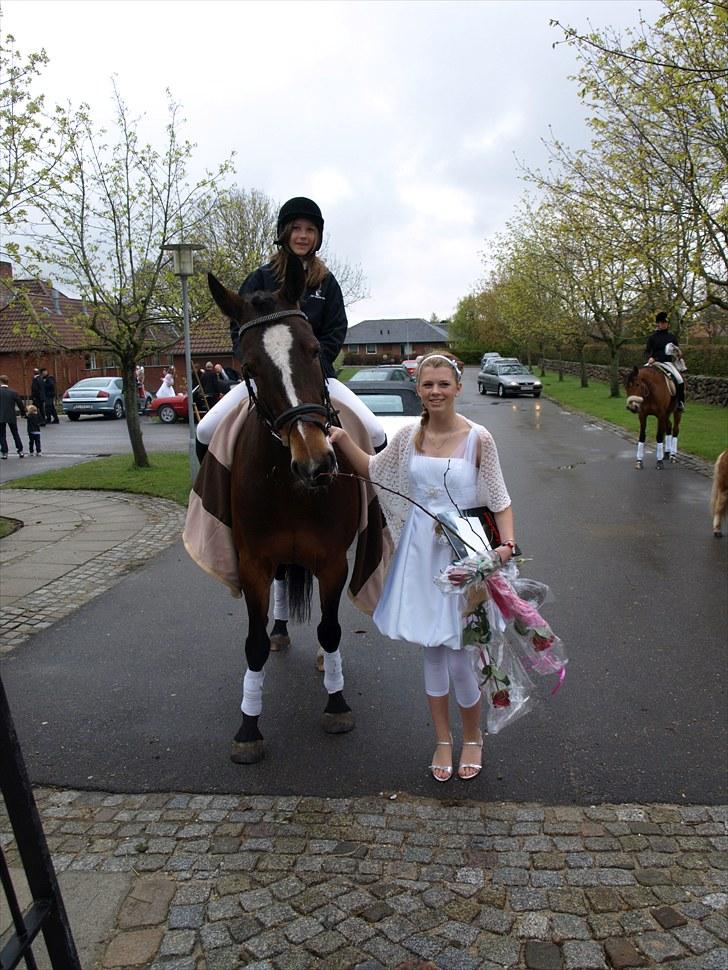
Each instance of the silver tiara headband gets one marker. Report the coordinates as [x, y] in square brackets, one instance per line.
[441, 357]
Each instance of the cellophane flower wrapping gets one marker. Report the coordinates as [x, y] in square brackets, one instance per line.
[518, 658]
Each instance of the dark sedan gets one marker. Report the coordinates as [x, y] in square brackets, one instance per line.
[385, 372]
[508, 377]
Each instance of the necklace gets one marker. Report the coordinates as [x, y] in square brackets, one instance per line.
[433, 442]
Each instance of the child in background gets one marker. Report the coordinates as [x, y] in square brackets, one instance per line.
[33, 429]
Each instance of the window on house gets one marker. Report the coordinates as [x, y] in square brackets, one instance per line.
[353, 348]
[371, 348]
[90, 361]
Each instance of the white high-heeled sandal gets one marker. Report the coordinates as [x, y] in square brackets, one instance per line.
[446, 769]
[464, 764]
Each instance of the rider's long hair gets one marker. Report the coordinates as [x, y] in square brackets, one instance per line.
[316, 268]
[432, 360]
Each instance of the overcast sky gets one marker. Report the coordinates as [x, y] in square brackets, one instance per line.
[402, 120]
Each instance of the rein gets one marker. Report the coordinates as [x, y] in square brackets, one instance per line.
[308, 413]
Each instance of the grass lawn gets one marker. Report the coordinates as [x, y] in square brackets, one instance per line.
[168, 476]
[703, 432]
[6, 526]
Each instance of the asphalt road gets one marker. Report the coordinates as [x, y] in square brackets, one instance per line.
[140, 689]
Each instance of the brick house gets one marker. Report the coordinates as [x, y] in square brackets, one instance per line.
[39, 327]
[392, 341]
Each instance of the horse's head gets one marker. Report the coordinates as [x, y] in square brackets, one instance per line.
[637, 390]
[280, 354]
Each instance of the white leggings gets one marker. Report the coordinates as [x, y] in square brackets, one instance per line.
[339, 393]
[442, 665]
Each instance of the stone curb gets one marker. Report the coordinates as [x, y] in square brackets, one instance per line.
[80, 584]
[278, 883]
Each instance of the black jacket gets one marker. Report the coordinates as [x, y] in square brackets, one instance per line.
[656, 343]
[323, 306]
[9, 400]
[210, 383]
[33, 424]
[37, 390]
[49, 387]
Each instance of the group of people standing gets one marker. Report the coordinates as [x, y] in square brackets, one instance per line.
[43, 396]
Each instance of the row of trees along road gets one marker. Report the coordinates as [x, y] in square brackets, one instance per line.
[94, 208]
[636, 222]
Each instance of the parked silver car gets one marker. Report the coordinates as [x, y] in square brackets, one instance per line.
[96, 395]
[508, 377]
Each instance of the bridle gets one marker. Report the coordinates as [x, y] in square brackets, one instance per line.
[308, 413]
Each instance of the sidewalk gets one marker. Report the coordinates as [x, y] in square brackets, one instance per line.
[206, 882]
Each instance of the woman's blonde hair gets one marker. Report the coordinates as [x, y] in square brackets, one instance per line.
[316, 268]
[432, 360]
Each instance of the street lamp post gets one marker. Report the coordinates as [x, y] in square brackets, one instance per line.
[183, 266]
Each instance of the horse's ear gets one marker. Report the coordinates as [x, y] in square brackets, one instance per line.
[230, 303]
[294, 284]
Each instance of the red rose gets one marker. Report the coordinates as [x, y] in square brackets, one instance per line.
[541, 643]
[501, 698]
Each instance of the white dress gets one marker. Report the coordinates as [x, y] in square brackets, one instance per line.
[411, 606]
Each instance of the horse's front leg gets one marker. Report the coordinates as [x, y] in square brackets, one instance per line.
[247, 747]
[660, 446]
[337, 717]
[640, 456]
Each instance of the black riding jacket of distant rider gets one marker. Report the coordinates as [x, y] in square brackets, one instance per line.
[323, 305]
[656, 343]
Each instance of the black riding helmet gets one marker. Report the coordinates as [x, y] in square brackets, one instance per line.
[300, 208]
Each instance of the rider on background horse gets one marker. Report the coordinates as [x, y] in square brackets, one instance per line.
[299, 234]
[658, 350]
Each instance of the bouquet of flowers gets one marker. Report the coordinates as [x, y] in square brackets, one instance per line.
[515, 652]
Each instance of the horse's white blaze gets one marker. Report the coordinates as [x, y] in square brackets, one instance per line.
[277, 342]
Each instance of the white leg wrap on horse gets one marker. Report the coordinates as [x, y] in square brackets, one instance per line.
[209, 423]
[340, 392]
[674, 445]
[252, 703]
[660, 451]
[333, 674]
[668, 444]
[640, 450]
[280, 599]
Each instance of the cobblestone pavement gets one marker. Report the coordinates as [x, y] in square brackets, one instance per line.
[279, 883]
[75, 546]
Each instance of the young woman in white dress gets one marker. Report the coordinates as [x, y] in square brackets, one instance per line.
[443, 459]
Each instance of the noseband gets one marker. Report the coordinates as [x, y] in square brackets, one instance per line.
[308, 413]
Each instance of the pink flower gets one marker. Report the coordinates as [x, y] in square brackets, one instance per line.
[501, 698]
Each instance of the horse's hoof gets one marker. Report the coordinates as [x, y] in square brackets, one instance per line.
[279, 641]
[320, 661]
[639, 464]
[338, 723]
[673, 458]
[247, 752]
[659, 466]
[717, 534]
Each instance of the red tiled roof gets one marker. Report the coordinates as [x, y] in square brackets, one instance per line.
[35, 316]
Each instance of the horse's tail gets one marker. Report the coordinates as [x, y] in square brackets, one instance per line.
[300, 589]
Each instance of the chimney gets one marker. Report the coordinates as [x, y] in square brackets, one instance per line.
[6, 270]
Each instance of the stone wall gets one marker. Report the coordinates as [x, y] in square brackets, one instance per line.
[707, 390]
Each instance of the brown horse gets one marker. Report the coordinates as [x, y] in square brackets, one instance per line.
[649, 394]
[288, 506]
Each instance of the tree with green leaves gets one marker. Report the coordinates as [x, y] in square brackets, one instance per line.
[32, 145]
[111, 206]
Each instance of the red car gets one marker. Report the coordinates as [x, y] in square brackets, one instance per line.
[169, 409]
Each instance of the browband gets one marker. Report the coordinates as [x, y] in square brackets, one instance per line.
[269, 318]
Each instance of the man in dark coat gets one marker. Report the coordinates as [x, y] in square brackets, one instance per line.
[9, 400]
[210, 385]
[51, 415]
[37, 392]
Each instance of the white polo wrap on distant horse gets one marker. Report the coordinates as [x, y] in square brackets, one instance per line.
[252, 703]
[333, 674]
[640, 450]
[280, 599]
